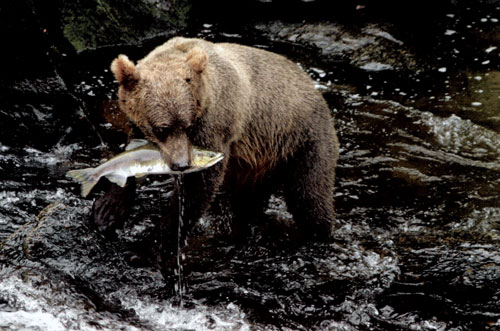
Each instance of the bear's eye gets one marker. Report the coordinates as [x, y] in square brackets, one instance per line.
[188, 80]
[162, 133]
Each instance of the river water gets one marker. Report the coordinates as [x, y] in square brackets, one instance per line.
[417, 200]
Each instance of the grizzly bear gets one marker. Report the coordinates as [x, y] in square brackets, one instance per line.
[257, 107]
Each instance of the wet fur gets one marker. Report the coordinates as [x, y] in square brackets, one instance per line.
[257, 107]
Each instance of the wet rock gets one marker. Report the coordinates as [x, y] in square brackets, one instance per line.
[460, 281]
[36, 106]
[40, 112]
[55, 233]
[91, 24]
[61, 238]
[32, 42]
[58, 273]
[371, 48]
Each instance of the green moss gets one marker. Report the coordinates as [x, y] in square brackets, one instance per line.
[95, 23]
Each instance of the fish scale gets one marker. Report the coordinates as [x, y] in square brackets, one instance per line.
[141, 158]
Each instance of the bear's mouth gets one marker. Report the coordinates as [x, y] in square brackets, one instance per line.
[176, 153]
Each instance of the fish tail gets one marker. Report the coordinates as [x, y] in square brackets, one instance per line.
[86, 177]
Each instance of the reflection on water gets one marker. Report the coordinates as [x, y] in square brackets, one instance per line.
[417, 201]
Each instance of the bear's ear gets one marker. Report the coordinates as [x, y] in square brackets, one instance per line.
[197, 59]
[124, 71]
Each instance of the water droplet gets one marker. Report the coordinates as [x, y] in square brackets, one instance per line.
[490, 49]
[443, 69]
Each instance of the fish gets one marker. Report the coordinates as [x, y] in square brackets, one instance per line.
[140, 158]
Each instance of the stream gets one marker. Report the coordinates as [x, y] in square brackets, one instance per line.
[417, 196]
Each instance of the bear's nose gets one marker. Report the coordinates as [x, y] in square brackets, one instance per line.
[180, 166]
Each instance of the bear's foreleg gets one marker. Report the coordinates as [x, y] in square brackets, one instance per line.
[112, 209]
[192, 197]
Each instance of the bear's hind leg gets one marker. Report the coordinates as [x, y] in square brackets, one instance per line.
[309, 187]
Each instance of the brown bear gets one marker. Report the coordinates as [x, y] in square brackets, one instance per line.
[258, 108]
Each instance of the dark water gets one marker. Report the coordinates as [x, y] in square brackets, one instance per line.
[417, 199]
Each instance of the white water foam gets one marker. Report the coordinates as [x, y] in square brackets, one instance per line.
[165, 316]
[30, 308]
[48, 307]
[463, 136]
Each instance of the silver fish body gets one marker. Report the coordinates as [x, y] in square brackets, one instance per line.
[140, 159]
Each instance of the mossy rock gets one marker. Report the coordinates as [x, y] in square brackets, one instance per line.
[96, 23]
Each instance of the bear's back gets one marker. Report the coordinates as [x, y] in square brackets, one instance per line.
[268, 70]
[280, 104]
[263, 69]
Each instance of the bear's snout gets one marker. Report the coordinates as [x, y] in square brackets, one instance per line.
[176, 152]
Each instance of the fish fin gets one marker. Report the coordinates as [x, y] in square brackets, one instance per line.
[85, 177]
[136, 143]
[218, 157]
[118, 180]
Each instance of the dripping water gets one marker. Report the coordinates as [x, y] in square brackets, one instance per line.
[179, 282]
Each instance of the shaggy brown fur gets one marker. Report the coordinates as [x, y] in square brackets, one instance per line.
[257, 107]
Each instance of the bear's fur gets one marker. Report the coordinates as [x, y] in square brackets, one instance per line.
[258, 108]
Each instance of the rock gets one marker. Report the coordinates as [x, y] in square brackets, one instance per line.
[57, 264]
[371, 48]
[92, 24]
[38, 106]
[61, 238]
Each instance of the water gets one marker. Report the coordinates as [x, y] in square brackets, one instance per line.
[179, 285]
[417, 200]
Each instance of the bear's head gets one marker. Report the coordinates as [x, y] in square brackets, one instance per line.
[163, 97]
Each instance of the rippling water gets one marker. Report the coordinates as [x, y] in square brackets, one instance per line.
[417, 199]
